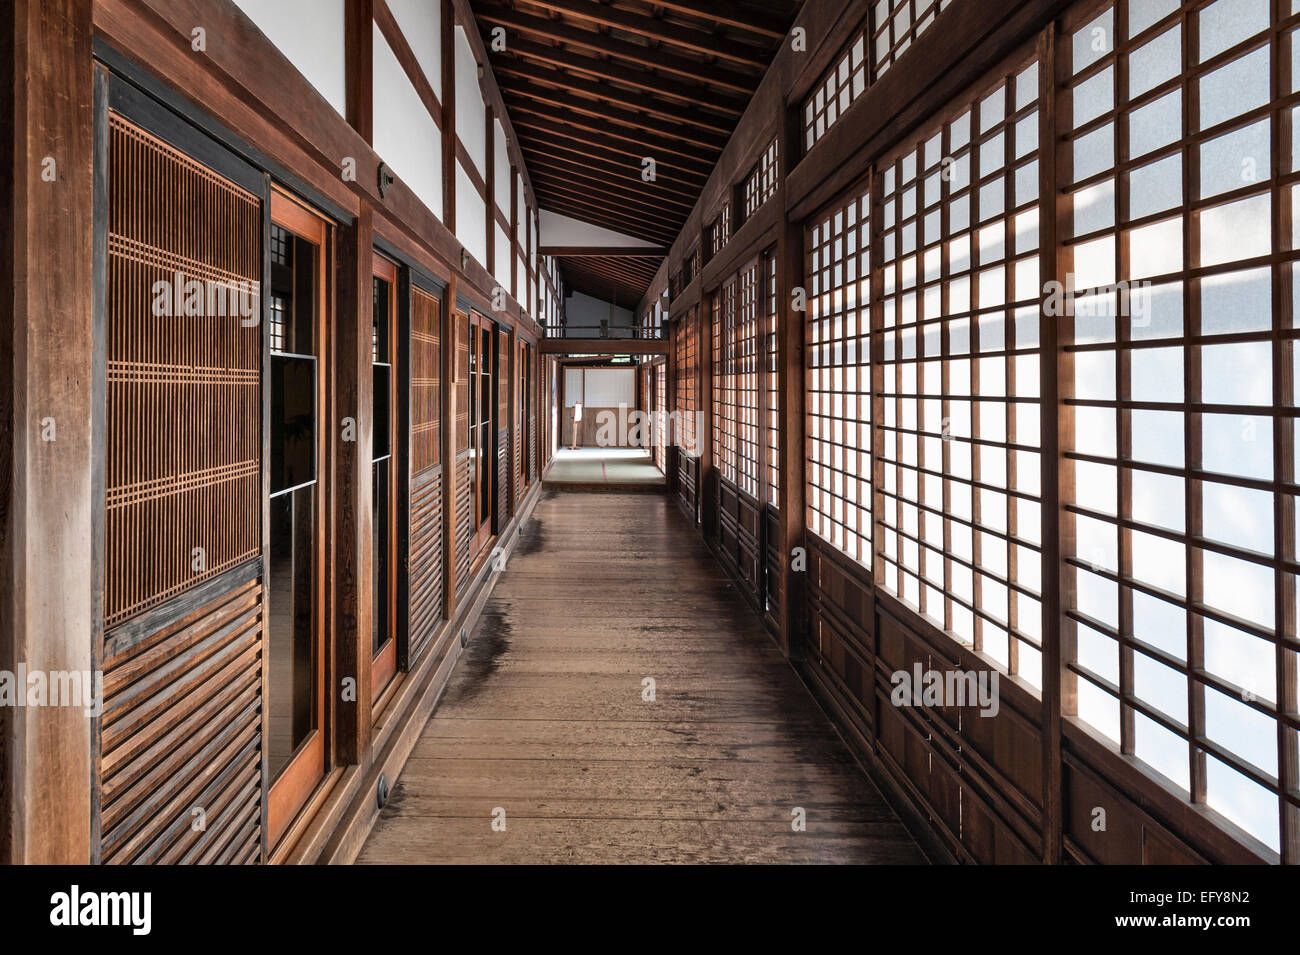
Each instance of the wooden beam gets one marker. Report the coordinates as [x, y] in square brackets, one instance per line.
[448, 39]
[617, 190]
[589, 129]
[705, 42]
[604, 252]
[633, 226]
[351, 561]
[727, 13]
[666, 89]
[602, 346]
[562, 104]
[643, 56]
[52, 390]
[677, 112]
[549, 153]
[396, 39]
[359, 66]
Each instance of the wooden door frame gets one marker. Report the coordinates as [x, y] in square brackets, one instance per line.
[479, 325]
[292, 789]
[383, 665]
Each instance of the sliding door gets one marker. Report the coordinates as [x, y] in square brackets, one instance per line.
[384, 476]
[296, 626]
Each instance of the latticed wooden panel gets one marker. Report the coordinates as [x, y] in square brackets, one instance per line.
[426, 381]
[183, 416]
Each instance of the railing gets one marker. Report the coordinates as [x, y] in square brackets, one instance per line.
[606, 331]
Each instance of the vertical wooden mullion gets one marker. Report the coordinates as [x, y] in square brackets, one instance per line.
[1192, 419]
[1123, 424]
[1057, 642]
[448, 92]
[1284, 528]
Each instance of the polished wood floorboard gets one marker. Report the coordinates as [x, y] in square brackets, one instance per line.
[545, 719]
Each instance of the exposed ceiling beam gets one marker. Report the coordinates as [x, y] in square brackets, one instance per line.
[660, 87]
[729, 14]
[602, 346]
[559, 153]
[608, 94]
[644, 56]
[611, 147]
[602, 251]
[643, 142]
[612, 204]
[699, 41]
[628, 225]
[615, 187]
[564, 103]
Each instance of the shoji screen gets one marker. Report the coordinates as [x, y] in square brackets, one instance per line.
[1179, 168]
[959, 516]
[838, 381]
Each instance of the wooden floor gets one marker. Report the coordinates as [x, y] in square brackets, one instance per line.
[545, 719]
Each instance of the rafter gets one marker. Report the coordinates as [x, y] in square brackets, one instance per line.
[644, 56]
[643, 142]
[566, 103]
[652, 84]
[605, 93]
[704, 42]
[611, 147]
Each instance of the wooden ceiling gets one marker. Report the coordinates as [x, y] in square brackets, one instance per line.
[593, 88]
[615, 275]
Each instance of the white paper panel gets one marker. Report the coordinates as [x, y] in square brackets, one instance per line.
[611, 387]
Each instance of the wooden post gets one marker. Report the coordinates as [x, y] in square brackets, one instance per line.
[352, 498]
[448, 93]
[450, 331]
[51, 457]
[360, 55]
[790, 383]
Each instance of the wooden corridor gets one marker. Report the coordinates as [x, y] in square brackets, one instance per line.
[544, 717]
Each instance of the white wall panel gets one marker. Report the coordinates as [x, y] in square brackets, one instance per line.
[310, 33]
[406, 137]
[502, 163]
[471, 115]
[421, 23]
[471, 222]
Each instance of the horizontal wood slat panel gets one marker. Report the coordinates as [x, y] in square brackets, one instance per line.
[464, 519]
[181, 730]
[426, 596]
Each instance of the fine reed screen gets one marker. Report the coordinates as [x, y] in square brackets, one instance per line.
[184, 362]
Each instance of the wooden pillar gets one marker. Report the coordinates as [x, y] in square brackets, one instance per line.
[360, 58]
[450, 333]
[1056, 476]
[790, 384]
[449, 122]
[352, 497]
[51, 456]
[490, 196]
